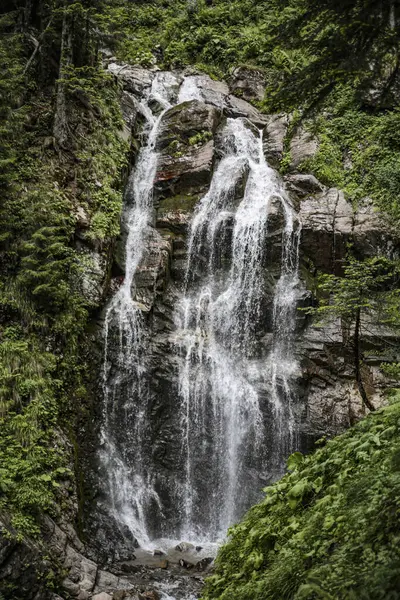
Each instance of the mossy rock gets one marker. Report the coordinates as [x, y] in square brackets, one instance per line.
[181, 202]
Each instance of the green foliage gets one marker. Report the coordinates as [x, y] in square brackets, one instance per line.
[200, 138]
[370, 285]
[43, 313]
[328, 529]
[335, 62]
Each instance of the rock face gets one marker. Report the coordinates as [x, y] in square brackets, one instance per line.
[248, 84]
[190, 148]
[186, 149]
[327, 399]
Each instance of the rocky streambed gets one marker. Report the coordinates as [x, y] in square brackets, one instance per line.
[175, 572]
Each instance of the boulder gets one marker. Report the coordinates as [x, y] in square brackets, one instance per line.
[205, 89]
[135, 79]
[186, 149]
[204, 563]
[184, 547]
[106, 581]
[302, 146]
[102, 596]
[303, 184]
[81, 573]
[237, 107]
[274, 138]
[248, 84]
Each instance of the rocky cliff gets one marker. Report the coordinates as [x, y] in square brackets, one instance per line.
[190, 146]
[327, 397]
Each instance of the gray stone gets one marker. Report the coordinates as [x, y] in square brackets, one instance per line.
[303, 184]
[152, 274]
[134, 78]
[102, 596]
[106, 581]
[237, 107]
[274, 138]
[327, 222]
[211, 91]
[185, 120]
[81, 573]
[94, 272]
[302, 146]
[82, 218]
[247, 83]
[185, 167]
[184, 546]
[129, 107]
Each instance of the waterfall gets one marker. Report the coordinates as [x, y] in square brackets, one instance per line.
[125, 454]
[223, 418]
[220, 311]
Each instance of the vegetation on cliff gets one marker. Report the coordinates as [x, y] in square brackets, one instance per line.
[61, 157]
[327, 530]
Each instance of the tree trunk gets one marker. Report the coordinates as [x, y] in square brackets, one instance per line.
[357, 363]
[61, 128]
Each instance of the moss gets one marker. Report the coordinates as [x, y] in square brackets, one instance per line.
[181, 202]
[201, 138]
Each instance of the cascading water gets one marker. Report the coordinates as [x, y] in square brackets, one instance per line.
[221, 310]
[126, 462]
[224, 302]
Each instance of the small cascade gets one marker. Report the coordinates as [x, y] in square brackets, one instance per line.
[221, 309]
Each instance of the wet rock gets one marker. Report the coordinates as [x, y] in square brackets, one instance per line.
[184, 547]
[150, 595]
[152, 274]
[199, 548]
[202, 564]
[129, 107]
[248, 84]
[158, 553]
[185, 564]
[186, 149]
[164, 564]
[106, 581]
[302, 146]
